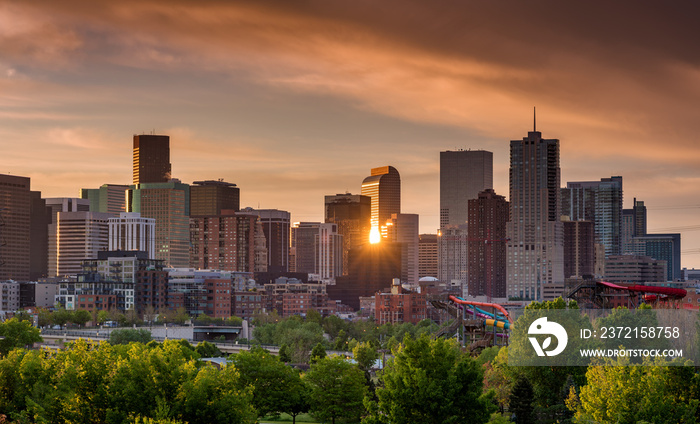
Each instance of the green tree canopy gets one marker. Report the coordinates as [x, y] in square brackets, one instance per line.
[16, 333]
[432, 381]
[128, 335]
[336, 389]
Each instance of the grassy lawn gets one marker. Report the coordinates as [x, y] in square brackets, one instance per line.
[285, 418]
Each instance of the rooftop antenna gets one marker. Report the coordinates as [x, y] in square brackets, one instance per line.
[534, 119]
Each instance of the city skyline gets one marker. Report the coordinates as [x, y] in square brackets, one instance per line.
[296, 103]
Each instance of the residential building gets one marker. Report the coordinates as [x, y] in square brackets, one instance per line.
[9, 296]
[403, 228]
[317, 249]
[427, 255]
[399, 306]
[488, 217]
[131, 232]
[276, 227]
[225, 242]
[601, 203]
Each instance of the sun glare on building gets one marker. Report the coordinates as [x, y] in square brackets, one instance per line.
[374, 236]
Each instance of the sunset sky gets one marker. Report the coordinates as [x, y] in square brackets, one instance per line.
[294, 100]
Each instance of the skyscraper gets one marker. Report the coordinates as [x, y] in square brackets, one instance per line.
[383, 186]
[488, 216]
[427, 255]
[463, 175]
[56, 205]
[169, 204]
[275, 224]
[15, 214]
[109, 198]
[351, 213]
[579, 249]
[601, 203]
[151, 159]
[535, 231]
[209, 198]
[402, 228]
[79, 236]
[225, 242]
[317, 250]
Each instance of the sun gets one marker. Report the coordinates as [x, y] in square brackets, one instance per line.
[374, 236]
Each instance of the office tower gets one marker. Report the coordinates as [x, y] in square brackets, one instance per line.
[54, 206]
[15, 227]
[463, 175]
[209, 198]
[131, 232]
[634, 269]
[627, 230]
[169, 204]
[317, 250]
[224, 242]
[372, 268]
[453, 263]
[351, 212]
[109, 198]
[639, 212]
[275, 224]
[40, 216]
[535, 231]
[383, 186]
[427, 255]
[601, 203]
[579, 248]
[488, 217]
[79, 236]
[666, 247]
[402, 228]
[151, 159]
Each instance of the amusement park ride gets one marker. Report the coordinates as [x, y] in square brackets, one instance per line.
[479, 325]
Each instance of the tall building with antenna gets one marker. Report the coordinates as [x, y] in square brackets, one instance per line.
[535, 249]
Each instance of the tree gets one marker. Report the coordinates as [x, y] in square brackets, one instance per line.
[333, 325]
[16, 334]
[181, 315]
[128, 335]
[336, 389]
[317, 353]
[312, 315]
[365, 355]
[521, 400]
[432, 381]
[81, 317]
[273, 382]
[102, 316]
[284, 354]
[60, 317]
[207, 350]
[619, 392]
[132, 318]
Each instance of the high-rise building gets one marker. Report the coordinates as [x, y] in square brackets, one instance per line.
[601, 203]
[151, 159]
[79, 236]
[634, 269]
[169, 204]
[209, 198]
[666, 247]
[351, 213]
[54, 206]
[131, 232]
[427, 255]
[402, 228]
[639, 212]
[634, 225]
[488, 217]
[383, 186]
[535, 231]
[225, 242]
[453, 263]
[463, 175]
[579, 249]
[40, 216]
[317, 250]
[276, 225]
[15, 227]
[109, 198]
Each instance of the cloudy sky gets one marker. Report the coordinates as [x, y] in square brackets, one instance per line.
[293, 100]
